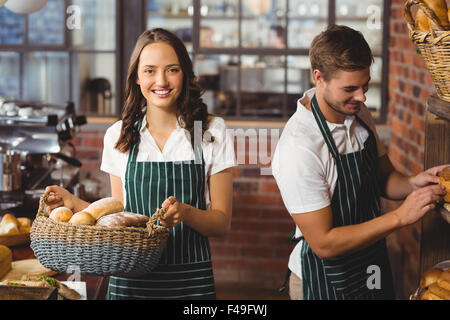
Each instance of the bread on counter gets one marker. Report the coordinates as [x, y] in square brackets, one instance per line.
[5, 260]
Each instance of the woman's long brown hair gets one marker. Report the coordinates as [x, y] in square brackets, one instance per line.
[190, 104]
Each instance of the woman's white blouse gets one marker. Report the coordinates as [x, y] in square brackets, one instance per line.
[218, 155]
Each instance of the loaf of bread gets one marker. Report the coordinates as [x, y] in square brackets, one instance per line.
[123, 219]
[444, 280]
[61, 214]
[104, 207]
[24, 222]
[82, 218]
[5, 260]
[428, 295]
[9, 224]
[430, 276]
[444, 179]
[439, 7]
[440, 292]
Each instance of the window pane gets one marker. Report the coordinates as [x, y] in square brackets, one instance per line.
[175, 16]
[98, 25]
[219, 21]
[9, 75]
[263, 23]
[307, 18]
[299, 80]
[262, 86]
[218, 79]
[12, 27]
[46, 77]
[46, 26]
[94, 84]
[365, 16]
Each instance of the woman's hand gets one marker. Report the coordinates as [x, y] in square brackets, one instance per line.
[59, 197]
[176, 212]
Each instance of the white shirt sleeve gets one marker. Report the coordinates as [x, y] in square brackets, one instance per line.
[301, 178]
[223, 156]
[113, 161]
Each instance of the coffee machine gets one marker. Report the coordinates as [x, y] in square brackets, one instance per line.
[35, 151]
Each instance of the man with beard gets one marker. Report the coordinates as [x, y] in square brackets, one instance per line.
[332, 169]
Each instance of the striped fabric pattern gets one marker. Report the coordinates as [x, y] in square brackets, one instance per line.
[356, 200]
[185, 268]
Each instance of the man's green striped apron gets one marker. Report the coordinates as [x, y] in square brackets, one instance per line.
[185, 269]
[356, 199]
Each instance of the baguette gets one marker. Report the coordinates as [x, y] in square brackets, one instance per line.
[440, 292]
[430, 276]
[427, 295]
[82, 218]
[104, 207]
[444, 280]
[5, 260]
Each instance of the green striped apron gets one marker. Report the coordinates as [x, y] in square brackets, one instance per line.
[356, 199]
[185, 269]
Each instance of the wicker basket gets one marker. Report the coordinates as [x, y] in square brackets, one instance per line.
[96, 250]
[434, 46]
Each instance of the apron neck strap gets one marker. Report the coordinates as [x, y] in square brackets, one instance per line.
[323, 126]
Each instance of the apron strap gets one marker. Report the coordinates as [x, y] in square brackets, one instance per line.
[323, 126]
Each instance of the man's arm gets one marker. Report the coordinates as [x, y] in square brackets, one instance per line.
[394, 185]
[328, 242]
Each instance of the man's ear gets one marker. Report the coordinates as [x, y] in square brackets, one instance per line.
[318, 77]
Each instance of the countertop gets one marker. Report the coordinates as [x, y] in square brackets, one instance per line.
[96, 286]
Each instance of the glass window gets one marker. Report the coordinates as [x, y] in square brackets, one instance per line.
[98, 25]
[9, 75]
[219, 24]
[307, 18]
[173, 15]
[45, 77]
[12, 27]
[94, 82]
[46, 26]
[218, 77]
[263, 23]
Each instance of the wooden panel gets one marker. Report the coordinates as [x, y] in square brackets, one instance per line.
[435, 242]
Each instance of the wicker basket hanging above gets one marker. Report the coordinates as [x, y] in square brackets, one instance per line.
[434, 46]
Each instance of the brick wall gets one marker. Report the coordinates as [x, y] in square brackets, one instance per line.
[409, 87]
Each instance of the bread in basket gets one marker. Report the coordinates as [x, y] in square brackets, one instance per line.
[97, 250]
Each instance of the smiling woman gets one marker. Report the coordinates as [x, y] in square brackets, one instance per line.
[154, 161]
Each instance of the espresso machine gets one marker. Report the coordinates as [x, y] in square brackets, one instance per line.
[35, 151]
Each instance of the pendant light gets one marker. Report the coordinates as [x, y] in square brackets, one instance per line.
[25, 6]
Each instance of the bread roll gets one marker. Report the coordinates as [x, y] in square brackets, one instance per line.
[428, 295]
[24, 229]
[5, 260]
[440, 292]
[104, 206]
[9, 224]
[444, 180]
[444, 280]
[422, 21]
[61, 214]
[24, 222]
[123, 219]
[82, 218]
[430, 276]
